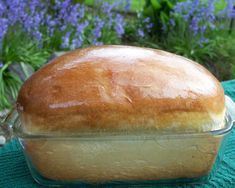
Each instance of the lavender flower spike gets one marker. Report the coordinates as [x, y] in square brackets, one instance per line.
[119, 27]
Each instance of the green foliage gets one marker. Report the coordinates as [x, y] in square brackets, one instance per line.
[17, 49]
[159, 13]
[9, 84]
[181, 41]
[217, 55]
[136, 5]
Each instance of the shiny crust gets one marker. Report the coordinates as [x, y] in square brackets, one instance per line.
[120, 88]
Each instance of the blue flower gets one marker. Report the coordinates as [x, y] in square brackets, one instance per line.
[210, 10]
[140, 33]
[34, 4]
[3, 28]
[147, 24]
[119, 25]
[66, 40]
[51, 24]
[127, 5]
[81, 11]
[99, 23]
[39, 20]
[230, 8]
[63, 27]
[2, 8]
[82, 26]
[194, 25]
[197, 14]
[76, 42]
[203, 41]
[38, 36]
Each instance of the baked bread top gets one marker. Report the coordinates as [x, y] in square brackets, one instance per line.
[121, 88]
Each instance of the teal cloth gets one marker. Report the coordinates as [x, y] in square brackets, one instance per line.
[14, 171]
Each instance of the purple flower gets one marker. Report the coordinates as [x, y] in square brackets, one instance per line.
[193, 8]
[203, 41]
[198, 15]
[98, 27]
[76, 42]
[230, 9]
[34, 4]
[82, 26]
[51, 24]
[107, 7]
[146, 20]
[81, 11]
[38, 36]
[203, 29]
[127, 5]
[1, 64]
[211, 7]
[140, 33]
[16, 11]
[2, 8]
[3, 28]
[63, 27]
[119, 25]
[38, 18]
[66, 40]
[73, 15]
[194, 25]
[63, 6]
[78, 37]
[32, 25]
[172, 22]
[147, 24]
[182, 7]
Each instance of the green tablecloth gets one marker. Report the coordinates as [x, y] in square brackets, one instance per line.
[14, 171]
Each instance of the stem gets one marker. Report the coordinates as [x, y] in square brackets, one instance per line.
[231, 26]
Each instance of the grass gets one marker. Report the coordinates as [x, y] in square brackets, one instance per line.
[136, 5]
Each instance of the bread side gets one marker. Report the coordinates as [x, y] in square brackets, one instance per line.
[123, 160]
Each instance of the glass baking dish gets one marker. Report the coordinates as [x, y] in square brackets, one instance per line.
[127, 158]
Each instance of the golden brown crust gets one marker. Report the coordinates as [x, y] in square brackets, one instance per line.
[119, 87]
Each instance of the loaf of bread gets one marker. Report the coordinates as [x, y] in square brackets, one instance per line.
[120, 88]
[123, 91]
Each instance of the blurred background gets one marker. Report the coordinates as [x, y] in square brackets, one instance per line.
[32, 32]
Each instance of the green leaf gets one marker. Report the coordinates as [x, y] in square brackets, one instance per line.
[149, 11]
[156, 5]
[169, 4]
[164, 17]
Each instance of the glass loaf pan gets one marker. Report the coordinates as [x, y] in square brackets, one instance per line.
[143, 158]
